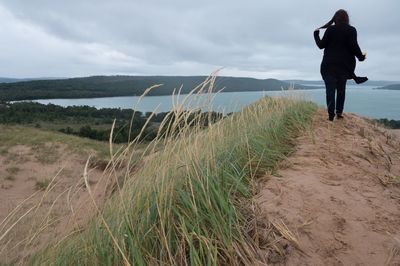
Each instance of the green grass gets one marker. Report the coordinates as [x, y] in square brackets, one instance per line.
[37, 138]
[55, 126]
[188, 204]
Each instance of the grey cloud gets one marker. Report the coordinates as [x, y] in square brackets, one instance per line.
[184, 37]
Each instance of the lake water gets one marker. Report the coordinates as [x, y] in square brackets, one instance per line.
[362, 100]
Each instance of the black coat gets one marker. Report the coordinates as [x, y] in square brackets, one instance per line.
[341, 48]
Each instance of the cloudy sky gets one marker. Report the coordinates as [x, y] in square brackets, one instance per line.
[254, 38]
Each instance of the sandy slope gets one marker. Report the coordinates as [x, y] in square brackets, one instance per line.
[49, 214]
[336, 194]
[396, 132]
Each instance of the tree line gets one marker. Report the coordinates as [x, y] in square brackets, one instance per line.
[90, 122]
[390, 123]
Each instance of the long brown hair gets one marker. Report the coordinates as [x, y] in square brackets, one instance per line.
[341, 17]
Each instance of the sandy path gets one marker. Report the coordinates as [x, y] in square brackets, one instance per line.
[336, 195]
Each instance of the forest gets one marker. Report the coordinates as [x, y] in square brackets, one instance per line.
[389, 123]
[89, 122]
[108, 86]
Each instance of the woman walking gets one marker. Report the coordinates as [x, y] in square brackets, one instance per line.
[338, 64]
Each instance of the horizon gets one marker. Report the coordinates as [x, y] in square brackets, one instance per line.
[199, 75]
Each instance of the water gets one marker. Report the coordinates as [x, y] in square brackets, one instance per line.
[362, 100]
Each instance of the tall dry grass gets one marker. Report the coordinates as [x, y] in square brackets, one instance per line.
[188, 202]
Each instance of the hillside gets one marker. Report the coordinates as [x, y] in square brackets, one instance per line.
[390, 87]
[275, 183]
[377, 83]
[41, 181]
[107, 86]
[8, 80]
[43, 167]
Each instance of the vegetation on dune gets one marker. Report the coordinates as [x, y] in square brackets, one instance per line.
[190, 202]
[390, 123]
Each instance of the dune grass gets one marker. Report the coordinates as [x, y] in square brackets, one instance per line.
[188, 203]
[37, 138]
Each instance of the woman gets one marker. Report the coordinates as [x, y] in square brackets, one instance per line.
[338, 63]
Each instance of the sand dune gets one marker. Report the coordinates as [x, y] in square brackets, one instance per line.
[50, 178]
[339, 194]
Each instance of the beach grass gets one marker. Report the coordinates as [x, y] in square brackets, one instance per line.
[188, 202]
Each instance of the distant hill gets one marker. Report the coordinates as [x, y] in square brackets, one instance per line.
[108, 86]
[350, 82]
[8, 80]
[390, 87]
[12, 80]
[309, 82]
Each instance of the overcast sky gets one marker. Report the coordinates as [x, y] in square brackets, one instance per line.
[254, 38]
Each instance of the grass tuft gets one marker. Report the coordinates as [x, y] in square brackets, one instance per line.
[42, 184]
[13, 170]
[9, 178]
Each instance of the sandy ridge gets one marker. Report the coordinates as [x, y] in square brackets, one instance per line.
[337, 194]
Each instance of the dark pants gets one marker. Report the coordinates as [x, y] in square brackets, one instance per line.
[333, 84]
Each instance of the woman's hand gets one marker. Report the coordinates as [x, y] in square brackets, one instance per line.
[317, 29]
[364, 56]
